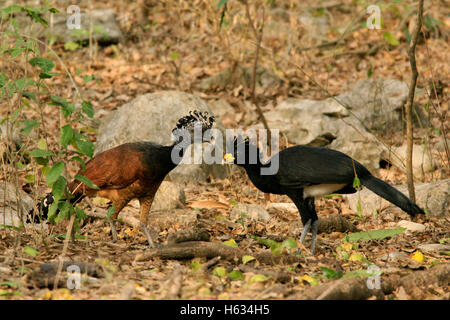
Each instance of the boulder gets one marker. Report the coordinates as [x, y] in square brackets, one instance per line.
[433, 197]
[14, 203]
[169, 196]
[421, 159]
[379, 103]
[326, 123]
[152, 117]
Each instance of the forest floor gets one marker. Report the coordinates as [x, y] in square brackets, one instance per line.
[183, 44]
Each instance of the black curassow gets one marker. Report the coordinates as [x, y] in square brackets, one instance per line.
[306, 172]
[136, 170]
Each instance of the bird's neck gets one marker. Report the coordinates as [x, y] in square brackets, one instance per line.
[177, 151]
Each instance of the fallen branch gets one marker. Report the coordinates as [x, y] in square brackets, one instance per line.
[188, 235]
[202, 249]
[357, 289]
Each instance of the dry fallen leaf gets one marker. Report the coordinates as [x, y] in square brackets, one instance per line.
[207, 204]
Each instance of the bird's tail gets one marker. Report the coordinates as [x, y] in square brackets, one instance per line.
[391, 194]
[40, 213]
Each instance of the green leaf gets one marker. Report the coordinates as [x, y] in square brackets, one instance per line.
[3, 79]
[230, 243]
[12, 9]
[258, 278]
[66, 135]
[289, 243]
[87, 109]
[30, 251]
[110, 212]
[45, 64]
[30, 178]
[221, 3]
[71, 46]
[80, 161]
[246, 259]
[29, 126]
[357, 273]
[390, 38]
[54, 173]
[47, 75]
[356, 183]
[236, 275]
[175, 55]
[373, 235]
[64, 211]
[59, 187]
[220, 272]
[88, 78]
[52, 210]
[66, 108]
[330, 273]
[86, 181]
[195, 265]
[80, 213]
[84, 144]
[39, 153]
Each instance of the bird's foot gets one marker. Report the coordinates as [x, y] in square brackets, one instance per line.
[113, 230]
[147, 235]
[314, 227]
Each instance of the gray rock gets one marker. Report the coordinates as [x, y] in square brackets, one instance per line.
[169, 196]
[434, 247]
[104, 26]
[411, 226]
[152, 117]
[433, 197]
[14, 139]
[421, 159]
[325, 124]
[250, 211]
[379, 103]
[16, 203]
[221, 107]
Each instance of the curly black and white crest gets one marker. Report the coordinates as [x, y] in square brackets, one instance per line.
[195, 117]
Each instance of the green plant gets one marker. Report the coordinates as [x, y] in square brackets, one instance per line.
[26, 87]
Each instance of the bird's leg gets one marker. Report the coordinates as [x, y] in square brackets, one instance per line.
[314, 228]
[118, 206]
[305, 230]
[145, 204]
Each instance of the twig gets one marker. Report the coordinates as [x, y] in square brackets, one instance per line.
[258, 38]
[64, 251]
[410, 102]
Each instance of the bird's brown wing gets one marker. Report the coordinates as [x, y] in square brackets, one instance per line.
[115, 168]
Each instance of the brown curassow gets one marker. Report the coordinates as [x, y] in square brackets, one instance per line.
[135, 170]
